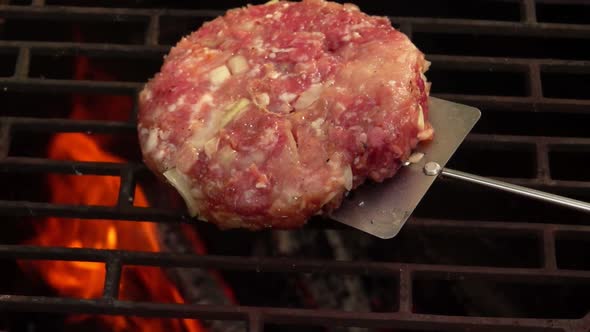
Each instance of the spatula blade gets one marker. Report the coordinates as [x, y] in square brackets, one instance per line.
[382, 209]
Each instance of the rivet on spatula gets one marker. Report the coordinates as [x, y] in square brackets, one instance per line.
[432, 168]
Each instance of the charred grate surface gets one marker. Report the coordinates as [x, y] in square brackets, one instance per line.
[525, 63]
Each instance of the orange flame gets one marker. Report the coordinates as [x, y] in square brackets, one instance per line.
[86, 279]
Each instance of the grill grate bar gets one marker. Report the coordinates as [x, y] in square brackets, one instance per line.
[536, 89]
[407, 29]
[103, 13]
[153, 31]
[4, 139]
[297, 265]
[507, 63]
[528, 11]
[513, 139]
[22, 63]
[112, 278]
[39, 209]
[322, 317]
[528, 28]
[543, 172]
[550, 259]
[493, 226]
[414, 321]
[424, 322]
[96, 49]
[495, 27]
[68, 125]
[520, 103]
[255, 322]
[405, 291]
[54, 85]
[127, 187]
[25, 164]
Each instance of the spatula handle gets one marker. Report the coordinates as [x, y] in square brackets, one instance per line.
[516, 189]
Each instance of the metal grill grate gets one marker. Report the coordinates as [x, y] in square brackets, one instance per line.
[515, 70]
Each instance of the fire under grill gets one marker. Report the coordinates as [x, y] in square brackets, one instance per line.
[470, 258]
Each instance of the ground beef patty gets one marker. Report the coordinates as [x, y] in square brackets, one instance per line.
[269, 114]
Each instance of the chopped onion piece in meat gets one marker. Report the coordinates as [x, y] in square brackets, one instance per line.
[180, 182]
[308, 96]
[211, 146]
[234, 110]
[292, 143]
[237, 64]
[347, 177]
[227, 156]
[263, 99]
[218, 75]
[420, 119]
[426, 134]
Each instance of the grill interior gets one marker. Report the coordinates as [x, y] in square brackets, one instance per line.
[526, 64]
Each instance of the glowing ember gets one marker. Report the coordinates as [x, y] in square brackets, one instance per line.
[86, 279]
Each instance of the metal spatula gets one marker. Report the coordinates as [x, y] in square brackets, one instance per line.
[382, 209]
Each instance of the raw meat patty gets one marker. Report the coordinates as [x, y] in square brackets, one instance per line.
[270, 114]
